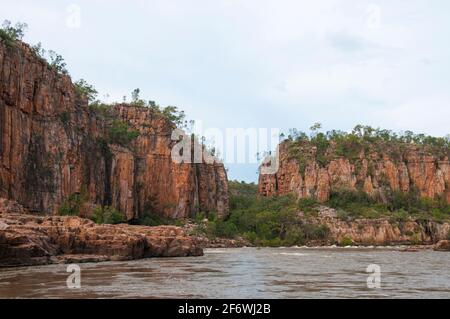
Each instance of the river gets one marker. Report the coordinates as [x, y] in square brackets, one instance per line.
[245, 273]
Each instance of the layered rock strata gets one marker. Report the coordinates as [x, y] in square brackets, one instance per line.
[52, 145]
[32, 240]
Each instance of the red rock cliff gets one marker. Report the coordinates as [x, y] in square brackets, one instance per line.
[374, 172]
[51, 147]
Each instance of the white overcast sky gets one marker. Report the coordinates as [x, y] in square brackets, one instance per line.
[260, 63]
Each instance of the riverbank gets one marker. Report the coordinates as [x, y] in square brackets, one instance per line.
[27, 240]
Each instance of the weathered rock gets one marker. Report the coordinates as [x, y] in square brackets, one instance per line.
[33, 240]
[52, 146]
[372, 173]
[384, 232]
[443, 245]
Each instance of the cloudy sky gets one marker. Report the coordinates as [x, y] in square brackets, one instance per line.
[260, 63]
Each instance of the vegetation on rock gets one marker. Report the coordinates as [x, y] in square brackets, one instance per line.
[120, 133]
[73, 204]
[9, 34]
[85, 89]
[286, 221]
[107, 215]
[263, 221]
[399, 206]
[324, 147]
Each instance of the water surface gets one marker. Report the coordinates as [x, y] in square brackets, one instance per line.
[245, 273]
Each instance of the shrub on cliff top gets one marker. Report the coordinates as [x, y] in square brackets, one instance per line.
[56, 62]
[324, 147]
[10, 34]
[85, 89]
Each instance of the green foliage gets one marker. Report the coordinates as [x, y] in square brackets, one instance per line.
[149, 219]
[308, 205]
[85, 89]
[9, 34]
[344, 198]
[136, 100]
[324, 147]
[263, 221]
[72, 205]
[398, 206]
[346, 241]
[173, 114]
[121, 133]
[39, 51]
[102, 110]
[57, 62]
[241, 194]
[65, 117]
[221, 229]
[416, 239]
[107, 215]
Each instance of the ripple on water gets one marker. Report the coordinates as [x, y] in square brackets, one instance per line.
[245, 273]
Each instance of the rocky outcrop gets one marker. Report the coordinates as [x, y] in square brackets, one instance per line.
[32, 240]
[385, 232]
[372, 172]
[53, 146]
[443, 245]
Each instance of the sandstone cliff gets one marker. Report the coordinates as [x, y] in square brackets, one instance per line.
[382, 231]
[52, 146]
[375, 172]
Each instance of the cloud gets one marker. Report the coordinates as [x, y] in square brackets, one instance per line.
[262, 63]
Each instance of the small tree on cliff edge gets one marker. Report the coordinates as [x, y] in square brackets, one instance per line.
[135, 98]
[10, 33]
[85, 89]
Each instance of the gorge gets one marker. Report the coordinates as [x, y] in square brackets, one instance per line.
[65, 162]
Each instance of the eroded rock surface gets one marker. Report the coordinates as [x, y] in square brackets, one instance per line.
[33, 240]
[52, 146]
[372, 173]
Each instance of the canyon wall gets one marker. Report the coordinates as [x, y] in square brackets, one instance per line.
[53, 146]
[372, 172]
[381, 231]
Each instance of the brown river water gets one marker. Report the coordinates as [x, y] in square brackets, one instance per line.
[245, 273]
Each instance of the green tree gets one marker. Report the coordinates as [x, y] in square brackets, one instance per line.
[10, 34]
[121, 133]
[85, 89]
[135, 98]
[57, 62]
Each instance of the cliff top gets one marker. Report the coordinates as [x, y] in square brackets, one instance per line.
[363, 141]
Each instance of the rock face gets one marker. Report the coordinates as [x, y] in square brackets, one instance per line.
[31, 240]
[53, 146]
[383, 232]
[443, 245]
[372, 173]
